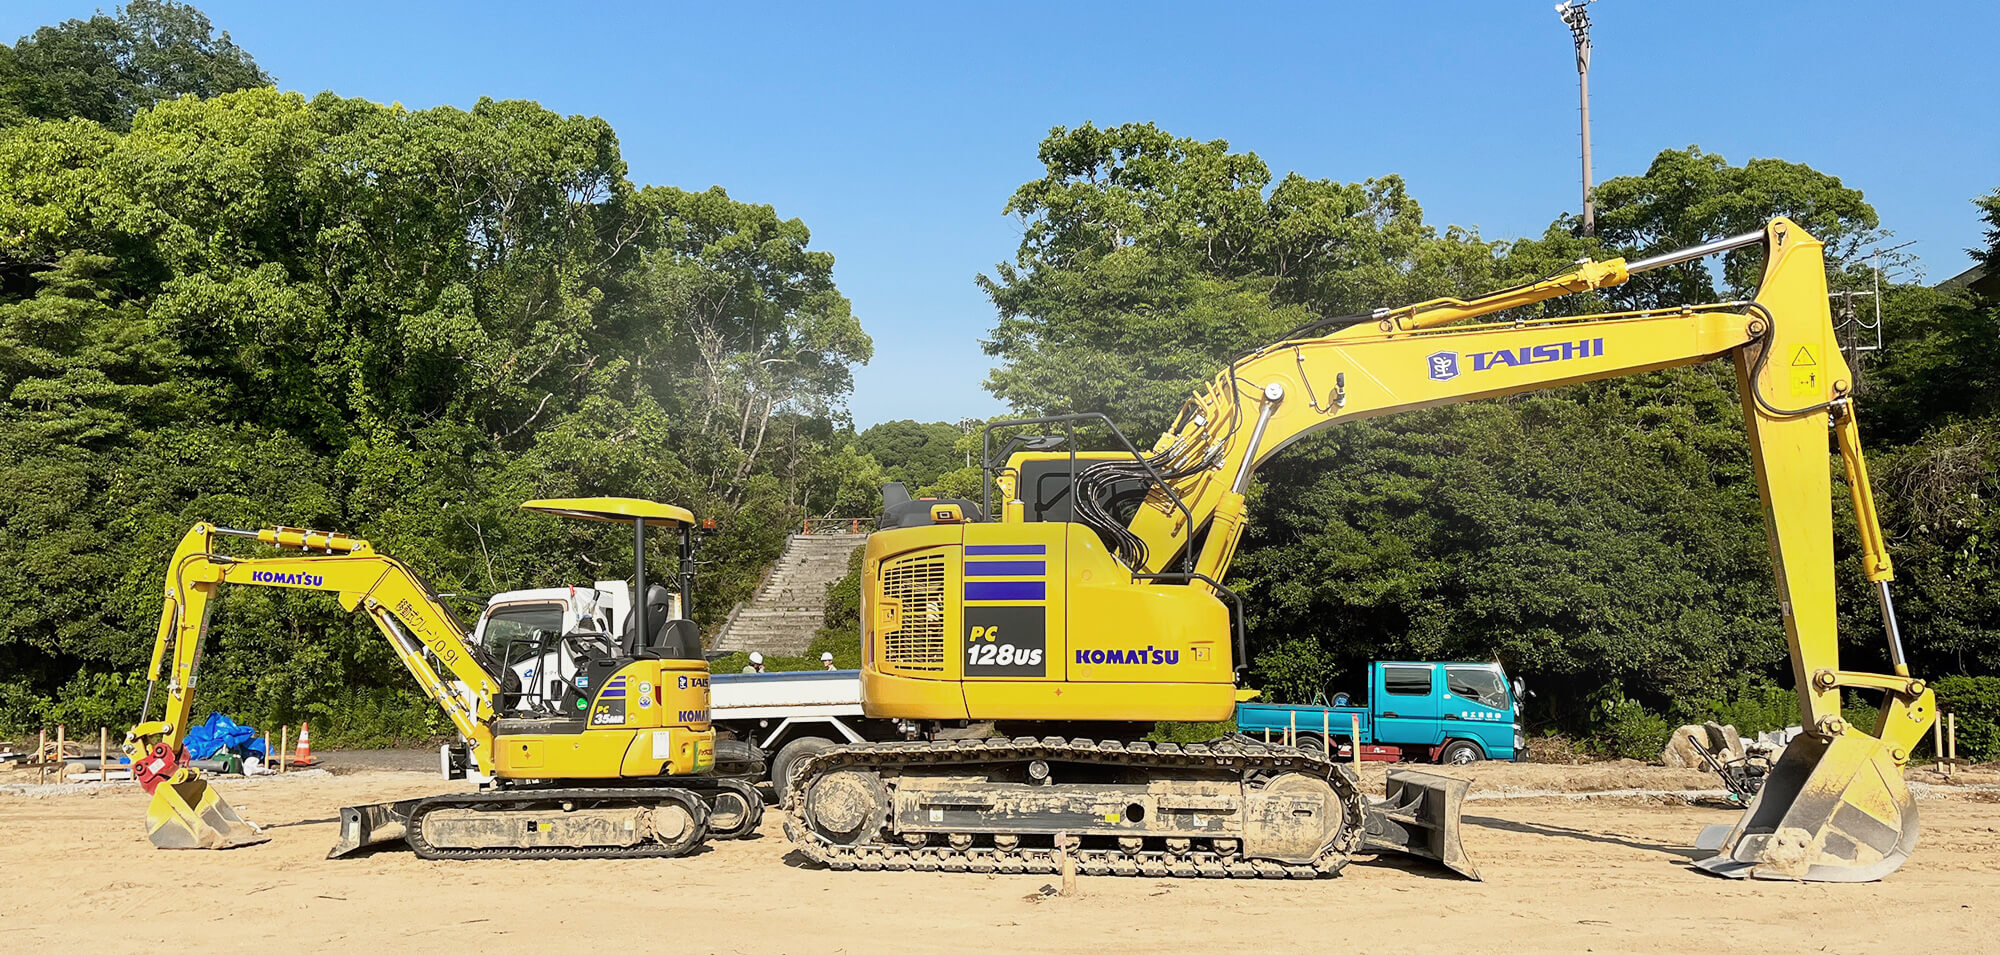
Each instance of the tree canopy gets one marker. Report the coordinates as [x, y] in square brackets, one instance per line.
[257, 308]
[107, 68]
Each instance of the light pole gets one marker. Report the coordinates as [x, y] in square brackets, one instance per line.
[1574, 14]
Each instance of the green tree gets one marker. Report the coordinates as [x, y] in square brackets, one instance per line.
[912, 452]
[108, 68]
[257, 309]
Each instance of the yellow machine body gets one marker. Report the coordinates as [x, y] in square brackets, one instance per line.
[650, 720]
[1120, 639]
[1034, 622]
[647, 718]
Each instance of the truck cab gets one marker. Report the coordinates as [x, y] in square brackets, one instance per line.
[1427, 711]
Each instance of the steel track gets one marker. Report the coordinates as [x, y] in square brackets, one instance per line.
[1239, 755]
[524, 800]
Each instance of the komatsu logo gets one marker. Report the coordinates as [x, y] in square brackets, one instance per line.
[273, 577]
[1147, 654]
[1444, 365]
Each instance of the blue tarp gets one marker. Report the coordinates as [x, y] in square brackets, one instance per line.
[220, 733]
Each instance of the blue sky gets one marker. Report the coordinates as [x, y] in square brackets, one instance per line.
[897, 132]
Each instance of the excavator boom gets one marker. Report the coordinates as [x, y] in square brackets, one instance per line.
[1099, 584]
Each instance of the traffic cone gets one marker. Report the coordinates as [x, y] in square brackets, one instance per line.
[304, 755]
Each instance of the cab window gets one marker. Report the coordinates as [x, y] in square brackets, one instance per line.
[519, 622]
[1406, 681]
[1477, 684]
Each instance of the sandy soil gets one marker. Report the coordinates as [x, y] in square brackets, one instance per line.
[1562, 874]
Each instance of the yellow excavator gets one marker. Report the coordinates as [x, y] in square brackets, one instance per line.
[1091, 602]
[605, 753]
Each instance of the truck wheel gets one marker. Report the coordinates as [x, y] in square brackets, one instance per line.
[1460, 752]
[788, 757]
[1308, 743]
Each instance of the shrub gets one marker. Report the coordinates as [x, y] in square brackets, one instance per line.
[1976, 701]
[1624, 728]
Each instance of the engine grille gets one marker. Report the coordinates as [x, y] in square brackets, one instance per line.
[918, 583]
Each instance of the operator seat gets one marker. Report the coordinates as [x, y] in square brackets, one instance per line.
[672, 638]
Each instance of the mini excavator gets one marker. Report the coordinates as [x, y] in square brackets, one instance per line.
[613, 760]
[1092, 601]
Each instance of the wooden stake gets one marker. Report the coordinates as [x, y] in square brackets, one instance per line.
[62, 736]
[103, 745]
[42, 757]
[1937, 739]
[1292, 732]
[1066, 850]
[1950, 736]
[1267, 735]
[1326, 732]
[284, 743]
[1354, 726]
[267, 749]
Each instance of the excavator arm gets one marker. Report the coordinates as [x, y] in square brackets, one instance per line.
[422, 632]
[1835, 807]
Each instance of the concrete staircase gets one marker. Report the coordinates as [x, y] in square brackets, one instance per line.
[790, 606]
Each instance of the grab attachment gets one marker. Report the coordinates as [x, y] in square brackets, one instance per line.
[1419, 816]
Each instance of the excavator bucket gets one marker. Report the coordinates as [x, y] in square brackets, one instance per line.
[1419, 816]
[1830, 811]
[186, 813]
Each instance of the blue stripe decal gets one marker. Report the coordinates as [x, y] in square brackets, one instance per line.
[1006, 568]
[1004, 550]
[1005, 590]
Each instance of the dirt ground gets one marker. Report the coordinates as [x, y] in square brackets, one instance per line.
[1563, 873]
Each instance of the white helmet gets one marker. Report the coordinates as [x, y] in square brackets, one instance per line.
[826, 657]
[756, 657]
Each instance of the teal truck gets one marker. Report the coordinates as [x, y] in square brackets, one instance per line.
[1428, 712]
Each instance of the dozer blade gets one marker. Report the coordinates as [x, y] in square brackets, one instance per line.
[371, 824]
[1419, 816]
[187, 814]
[1829, 812]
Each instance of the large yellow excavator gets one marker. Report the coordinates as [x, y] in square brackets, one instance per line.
[1092, 602]
[606, 754]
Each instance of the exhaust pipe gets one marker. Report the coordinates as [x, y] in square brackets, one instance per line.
[1419, 817]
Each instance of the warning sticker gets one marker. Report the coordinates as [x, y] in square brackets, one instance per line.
[1805, 373]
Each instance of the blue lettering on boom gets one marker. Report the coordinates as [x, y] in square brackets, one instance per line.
[1538, 354]
[295, 579]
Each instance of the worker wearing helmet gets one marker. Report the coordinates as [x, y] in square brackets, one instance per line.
[756, 663]
[826, 660]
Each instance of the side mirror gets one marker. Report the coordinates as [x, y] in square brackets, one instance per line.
[1520, 688]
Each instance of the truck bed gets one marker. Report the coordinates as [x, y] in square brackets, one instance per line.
[1337, 721]
[737, 696]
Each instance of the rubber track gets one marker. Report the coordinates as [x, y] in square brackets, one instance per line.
[1241, 754]
[414, 829]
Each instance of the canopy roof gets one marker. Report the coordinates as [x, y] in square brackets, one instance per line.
[621, 509]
